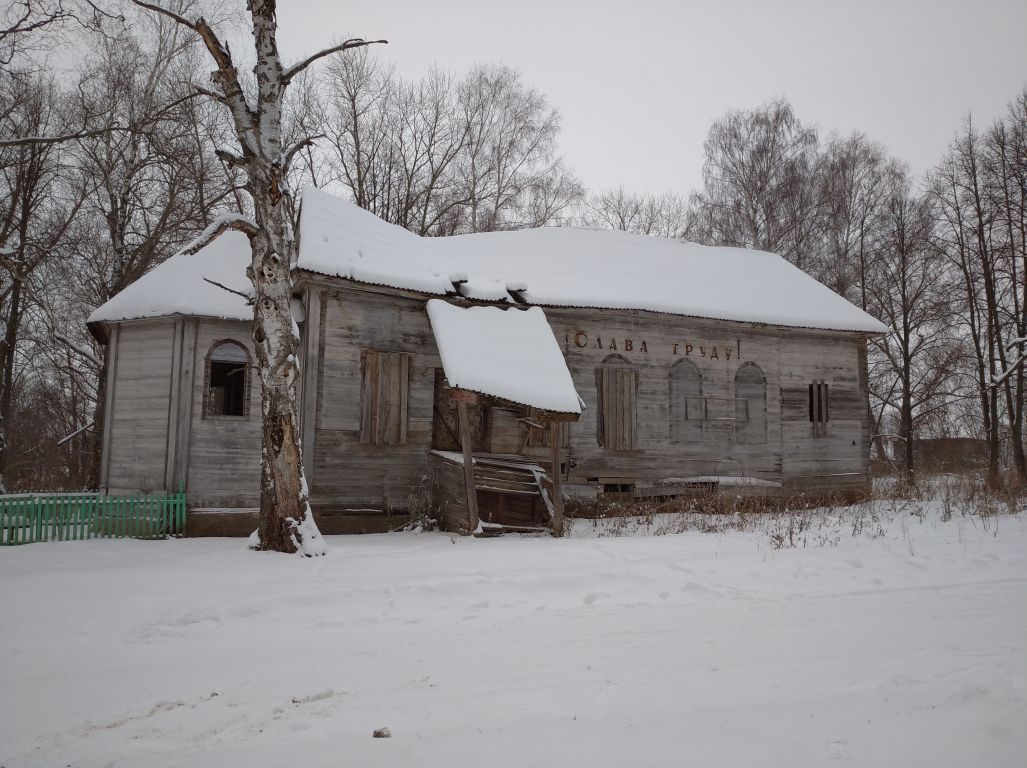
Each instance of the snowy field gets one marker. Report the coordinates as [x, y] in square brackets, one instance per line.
[899, 648]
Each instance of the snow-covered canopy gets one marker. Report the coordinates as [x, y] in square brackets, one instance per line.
[553, 266]
[506, 353]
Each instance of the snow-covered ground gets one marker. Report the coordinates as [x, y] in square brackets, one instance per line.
[901, 649]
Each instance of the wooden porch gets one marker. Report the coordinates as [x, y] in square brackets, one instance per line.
[512, 493]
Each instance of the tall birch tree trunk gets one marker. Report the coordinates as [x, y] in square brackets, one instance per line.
[286, 521]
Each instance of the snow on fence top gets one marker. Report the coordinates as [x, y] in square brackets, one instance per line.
[551, 266]
[507, 353]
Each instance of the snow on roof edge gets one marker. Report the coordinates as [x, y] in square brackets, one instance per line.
[622, 308]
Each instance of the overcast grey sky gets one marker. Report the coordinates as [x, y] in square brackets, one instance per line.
[638, 83]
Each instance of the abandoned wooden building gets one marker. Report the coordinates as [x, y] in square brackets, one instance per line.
[691, 367]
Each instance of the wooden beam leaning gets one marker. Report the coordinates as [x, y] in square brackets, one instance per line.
[557, 474]
[462, 398]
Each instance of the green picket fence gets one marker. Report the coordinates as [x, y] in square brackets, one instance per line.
[31, 517]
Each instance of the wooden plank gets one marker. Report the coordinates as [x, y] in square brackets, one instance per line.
[184, 414]
[309, 372]
[368, 395]
[140, 409]
[174, 395]
[405, 362]
[557, 482]
[465, 396]
[108, 408]
[465, 439]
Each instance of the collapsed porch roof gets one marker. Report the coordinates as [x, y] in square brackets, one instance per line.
[509, 354]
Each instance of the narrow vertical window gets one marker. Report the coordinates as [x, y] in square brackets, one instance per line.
[750, 405]
[686, 403]
[819, 407]
[384, 397]
[227, 380]
[617, 389]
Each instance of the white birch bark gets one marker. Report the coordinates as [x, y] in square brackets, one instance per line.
[286, 521]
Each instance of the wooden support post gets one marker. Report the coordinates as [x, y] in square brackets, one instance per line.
[465, 445]
[557, 476]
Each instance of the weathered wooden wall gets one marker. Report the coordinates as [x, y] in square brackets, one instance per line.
[788, 358]
[652, 344]
[224, 451]
[348, 474]
[137, 413]
[159, 437]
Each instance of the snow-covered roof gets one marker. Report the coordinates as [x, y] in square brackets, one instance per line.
[177, 286]
[572, 267]
[553, 266]
[507, 353]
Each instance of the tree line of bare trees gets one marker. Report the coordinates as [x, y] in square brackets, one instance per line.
[131, 165]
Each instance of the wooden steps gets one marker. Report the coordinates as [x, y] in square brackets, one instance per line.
[514, 493]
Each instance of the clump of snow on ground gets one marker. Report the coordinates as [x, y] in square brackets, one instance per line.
[901, 642]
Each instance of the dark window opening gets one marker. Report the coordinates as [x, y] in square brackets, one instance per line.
[819, 414]
[618, 487]
[227, 388]
[227, 372]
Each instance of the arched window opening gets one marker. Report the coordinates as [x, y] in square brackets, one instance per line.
[617, 390]
[686, 403]
[228, 365]
[750, 405]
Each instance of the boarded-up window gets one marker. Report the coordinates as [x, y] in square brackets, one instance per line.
[686, 403]
[617, 387]
[819, 407]
[384, 395]
[750, 405]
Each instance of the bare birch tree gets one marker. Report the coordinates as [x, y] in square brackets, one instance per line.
[760, 184]
[979, 194]
[906, 292]
[286, 521]
[36, 210]
[664, 215]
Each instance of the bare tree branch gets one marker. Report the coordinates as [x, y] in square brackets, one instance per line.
[299, 146]
[249, 299]
[356, 42]
[233, 221]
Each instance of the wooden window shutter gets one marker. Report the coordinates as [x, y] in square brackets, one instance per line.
[384, 397]
[617, 394]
